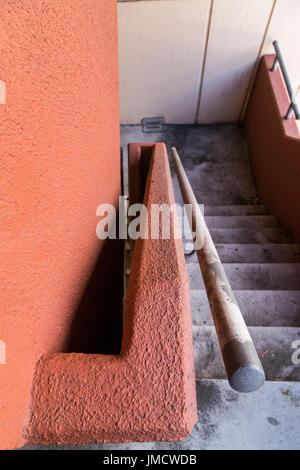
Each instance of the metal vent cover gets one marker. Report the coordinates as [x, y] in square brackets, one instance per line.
[153, 124]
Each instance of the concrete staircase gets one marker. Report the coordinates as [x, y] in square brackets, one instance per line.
[263, 267]
[218, 166]
[262, 264]
[265, 278]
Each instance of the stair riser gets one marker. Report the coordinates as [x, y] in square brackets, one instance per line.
[253, 276]
[253, 253]
[262, 221]
[259, 308]
[243, 235]
[234, 210]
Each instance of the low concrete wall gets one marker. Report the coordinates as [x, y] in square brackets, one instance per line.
[274, 145]
[147, 393]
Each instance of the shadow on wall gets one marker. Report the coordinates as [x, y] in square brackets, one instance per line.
[98, 321]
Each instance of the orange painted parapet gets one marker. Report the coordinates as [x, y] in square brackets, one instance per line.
[147, 393]
[60, 159]
[274, 145]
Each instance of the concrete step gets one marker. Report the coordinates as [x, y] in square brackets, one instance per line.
[241, 221]
[253, 253]
[259, 307]
[247, 235]
[236, 221]
[235, 210]
[273, 345]
[271, 420]
[253, 276]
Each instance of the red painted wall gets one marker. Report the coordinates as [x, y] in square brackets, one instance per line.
[274, 145]
[59, 160]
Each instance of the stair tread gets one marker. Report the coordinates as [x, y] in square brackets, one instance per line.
[273, 345]
[253, 276]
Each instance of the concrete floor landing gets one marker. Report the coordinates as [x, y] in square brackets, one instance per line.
[215, 158]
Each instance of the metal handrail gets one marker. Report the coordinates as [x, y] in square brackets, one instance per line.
[279, 60]
[243, 366]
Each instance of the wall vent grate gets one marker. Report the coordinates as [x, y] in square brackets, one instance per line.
[153, 124]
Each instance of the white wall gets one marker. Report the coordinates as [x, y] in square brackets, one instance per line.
[161, 47]
[194, 60]
[235, 37]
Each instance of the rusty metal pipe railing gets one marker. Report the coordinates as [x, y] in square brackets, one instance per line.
[242, 364]
[293, 103]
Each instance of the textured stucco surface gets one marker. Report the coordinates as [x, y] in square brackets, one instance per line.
[59, 161]
[147, 393]
[274, 144]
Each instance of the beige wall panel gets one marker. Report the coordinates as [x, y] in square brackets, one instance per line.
[236, 34]
[161, 46]
[285, 28]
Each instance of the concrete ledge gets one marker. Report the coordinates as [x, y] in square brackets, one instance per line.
[147, 393]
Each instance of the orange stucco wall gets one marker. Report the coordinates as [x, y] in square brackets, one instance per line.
[274, 144]
[147, 392]
[59, 160]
